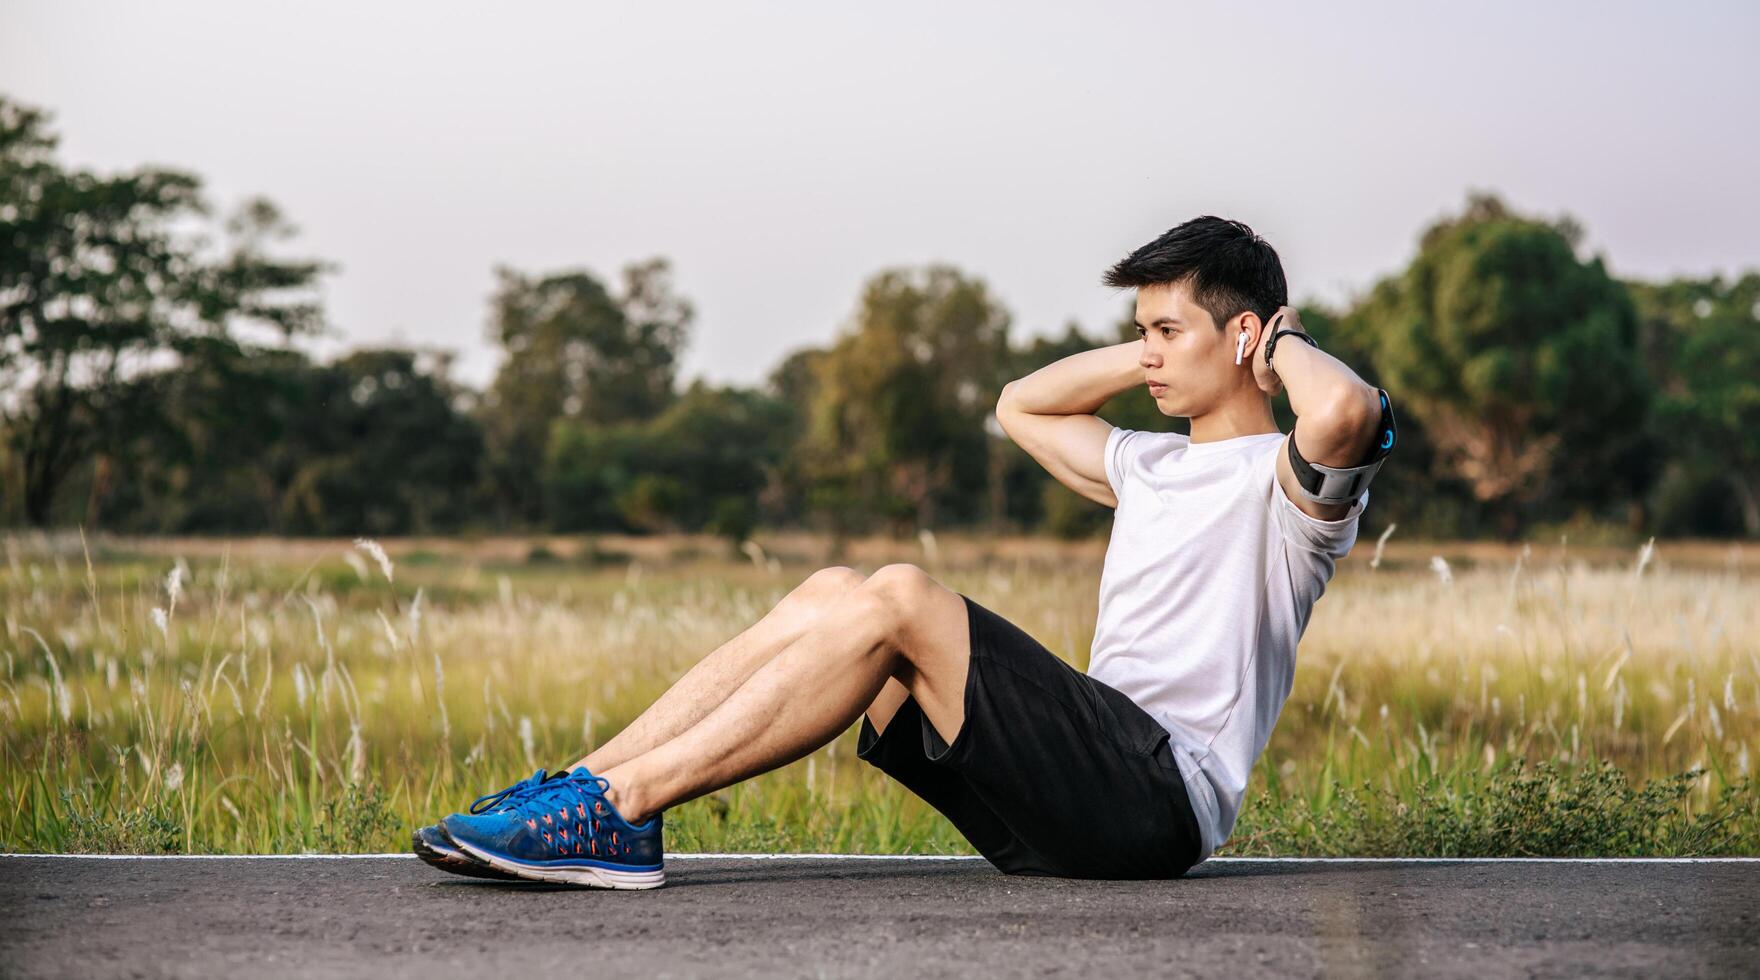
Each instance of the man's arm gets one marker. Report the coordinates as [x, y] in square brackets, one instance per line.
[1050, 414]
[1337, 413]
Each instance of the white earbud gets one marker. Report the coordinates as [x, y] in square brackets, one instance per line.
[1240, 347]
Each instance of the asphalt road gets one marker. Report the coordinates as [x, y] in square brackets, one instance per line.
[399, 918]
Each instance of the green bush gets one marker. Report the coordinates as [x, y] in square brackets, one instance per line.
[1552, 811]
[360, 820]
[94, 825]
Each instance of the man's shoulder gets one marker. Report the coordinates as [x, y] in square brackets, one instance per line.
[1133, 443]
[1129, 449]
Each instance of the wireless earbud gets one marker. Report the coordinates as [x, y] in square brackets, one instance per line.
[1240, 347]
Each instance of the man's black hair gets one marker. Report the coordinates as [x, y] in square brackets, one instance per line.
[1230, 269]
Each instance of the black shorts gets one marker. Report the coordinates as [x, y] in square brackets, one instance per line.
[1053, 772]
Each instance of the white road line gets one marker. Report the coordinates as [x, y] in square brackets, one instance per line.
[923, 857]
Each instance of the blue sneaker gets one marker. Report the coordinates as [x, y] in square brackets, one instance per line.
[563, 829]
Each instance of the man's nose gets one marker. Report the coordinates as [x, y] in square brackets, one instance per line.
[1149, 360]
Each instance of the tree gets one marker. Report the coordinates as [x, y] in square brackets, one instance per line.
[383, 448]
[98, 279]
[216, 453]
[377, 442]
[896, 427]
[576, 352]
[700, 465]
[792, 383]
[1704, 339]
[1508, 348]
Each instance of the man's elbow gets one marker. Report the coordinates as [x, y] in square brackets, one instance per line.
[1005, 400]
[1359, 406]
[1001, 410]
[1352, 417]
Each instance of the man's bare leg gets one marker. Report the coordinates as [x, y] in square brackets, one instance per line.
[717, 675]
[898, 627]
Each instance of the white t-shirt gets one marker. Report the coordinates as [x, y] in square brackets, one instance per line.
[1210, 575]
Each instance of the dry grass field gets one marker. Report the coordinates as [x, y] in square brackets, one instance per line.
[172, 695]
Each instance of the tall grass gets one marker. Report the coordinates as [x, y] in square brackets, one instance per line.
[332, 697]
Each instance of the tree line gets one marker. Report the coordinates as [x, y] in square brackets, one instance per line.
[151, 381]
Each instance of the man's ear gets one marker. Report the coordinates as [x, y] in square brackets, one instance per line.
[1250, 322]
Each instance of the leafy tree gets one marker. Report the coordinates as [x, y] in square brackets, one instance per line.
[383, 449]
[1704, 339]
[700, 465]
[793, 383]
[99, 277]
[577, 353]
[377, 442]
[896, 429]
[1508, 348]
[216, 453]
[795, 379]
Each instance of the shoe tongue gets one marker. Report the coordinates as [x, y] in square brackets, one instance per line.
[544, 784]
[587, 781]
[512, 799]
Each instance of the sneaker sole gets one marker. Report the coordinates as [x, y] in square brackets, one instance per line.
[457, 862]
[585, 875]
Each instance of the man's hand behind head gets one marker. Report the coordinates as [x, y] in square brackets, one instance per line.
[1286, 318]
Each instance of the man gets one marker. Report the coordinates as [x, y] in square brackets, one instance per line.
[1222, 542]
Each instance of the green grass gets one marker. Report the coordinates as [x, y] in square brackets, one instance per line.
[296, 700]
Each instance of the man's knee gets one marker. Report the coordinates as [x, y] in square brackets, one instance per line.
[898, 594]
[827, 586]
[924, 625]
[902, 581]
[890, 604]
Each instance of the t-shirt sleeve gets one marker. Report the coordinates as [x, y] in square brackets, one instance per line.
[1307, 532]
[1121, 448]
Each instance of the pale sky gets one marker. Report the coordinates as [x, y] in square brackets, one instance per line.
[780, 154]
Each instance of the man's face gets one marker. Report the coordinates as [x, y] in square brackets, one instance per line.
[1183, 351]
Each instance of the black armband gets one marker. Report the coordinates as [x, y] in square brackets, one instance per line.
[1343, 484]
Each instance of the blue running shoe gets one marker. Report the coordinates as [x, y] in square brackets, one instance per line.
[565, 830]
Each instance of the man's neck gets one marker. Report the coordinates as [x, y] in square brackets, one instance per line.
[1245, 415]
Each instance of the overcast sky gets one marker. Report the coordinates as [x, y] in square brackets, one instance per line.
[780, 154]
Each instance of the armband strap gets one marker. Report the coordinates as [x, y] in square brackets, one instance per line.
[1343, 484]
